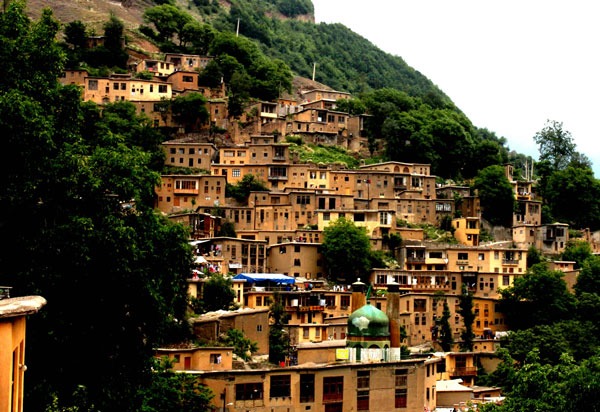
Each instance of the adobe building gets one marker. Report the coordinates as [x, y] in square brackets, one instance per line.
[207, 358]
[254, 323]
[178, 193]
[13, 319]
[407, 385]
[189, 152]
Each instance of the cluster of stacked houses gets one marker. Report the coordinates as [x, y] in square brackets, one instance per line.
[278, 233]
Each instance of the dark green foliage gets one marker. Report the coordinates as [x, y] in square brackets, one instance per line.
[190, 110]
[114, 41]
[169, 21]
[577, 251]
[347, 251]
[446, 339]
[496, 195]
[279, 340]
[77, 202]
[555, 145]
[588, 280]
[566, 386]
[227, 229]
[534, 256]
[465, 300]
[170, 391]
[540, 297]
[561, 186]
[241, 190]
[293, 8]
[218, 293]
[242, 346]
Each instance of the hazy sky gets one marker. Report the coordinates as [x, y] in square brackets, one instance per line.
[508, 65]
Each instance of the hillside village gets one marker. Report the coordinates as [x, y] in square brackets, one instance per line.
[370, 344]
[277, 249]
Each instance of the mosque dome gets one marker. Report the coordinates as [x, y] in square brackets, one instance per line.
[368, 321]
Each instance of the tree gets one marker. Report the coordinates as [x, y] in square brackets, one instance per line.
[495, 195]
[573, 183]
[62, 206]
[190, 110]
[534, 256]
[577, 251]
[241, 191]
[446, 338]
[170, 391]
[465, 302]
[588, 280]
[279, 339]
[218, 293]
[169, 21]
[242, 346]
[346, 249]
[540, 297]
[113, 42]
[555, 145]
[227, 229]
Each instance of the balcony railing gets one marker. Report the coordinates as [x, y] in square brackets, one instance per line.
[510, 262]
[464, 371]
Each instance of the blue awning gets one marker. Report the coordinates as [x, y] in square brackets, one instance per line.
[276, 278]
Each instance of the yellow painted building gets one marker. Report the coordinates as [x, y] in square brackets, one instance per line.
[13, 319]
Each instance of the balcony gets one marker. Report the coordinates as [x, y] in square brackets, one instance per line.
[464, 371]
[305, 308]
[511, 262]
[186, 191]
[278, 178]
[415, 259]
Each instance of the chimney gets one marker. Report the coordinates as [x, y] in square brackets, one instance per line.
[5, 292]
[393, 313]
[358, 295]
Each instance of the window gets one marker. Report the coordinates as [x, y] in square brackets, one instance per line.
[187, 79]
[362, 400]
[259, 328]
[248, 391]
[333, 388]
[116, 86]
[401, 375]
[236, 173]
[362, 379]
[93, 85]
[280, 386]
[345, 302]
[400, 398]
[162, 88]
[463, 256]
[185, 184]
[505, 280]
[216, 358]
[419, 305]
[259, 301]
[303, 200]
[307, 388]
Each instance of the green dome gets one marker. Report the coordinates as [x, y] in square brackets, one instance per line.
[368, 321]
